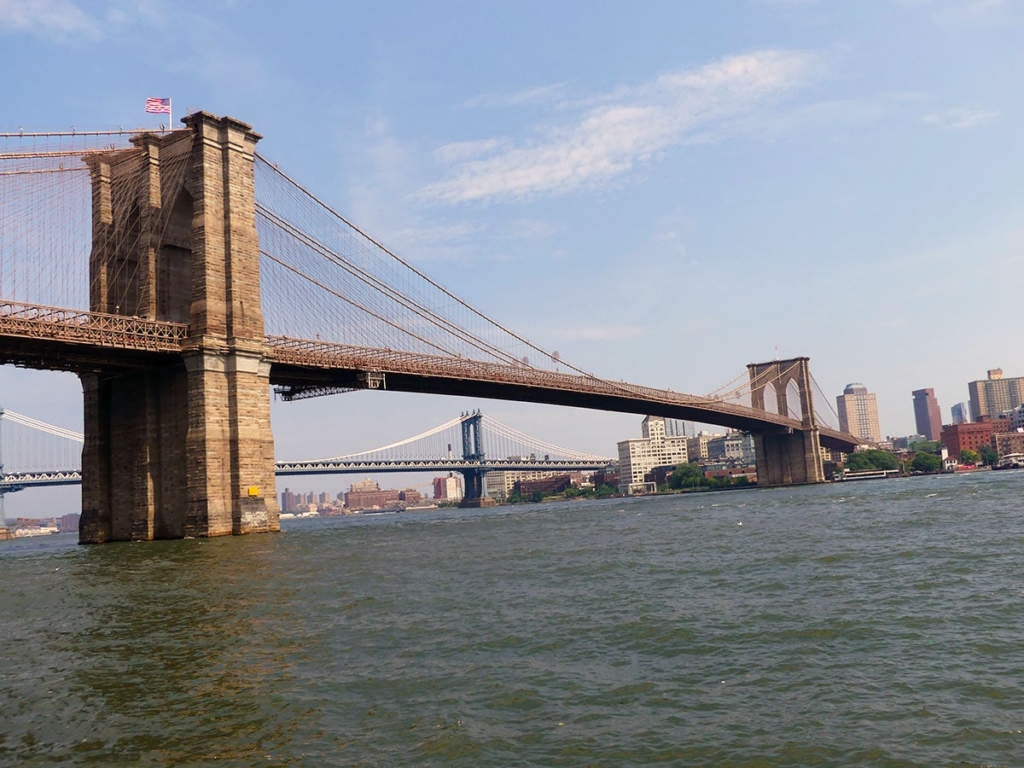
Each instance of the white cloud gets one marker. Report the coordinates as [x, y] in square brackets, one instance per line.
[540, 95]
[47, 17]
[960, 118]
[63, 19]
[625, 129]
[461, 151]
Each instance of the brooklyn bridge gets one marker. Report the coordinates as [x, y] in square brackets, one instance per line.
[181, 275]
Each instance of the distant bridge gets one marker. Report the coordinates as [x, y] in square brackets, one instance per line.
[46, 455]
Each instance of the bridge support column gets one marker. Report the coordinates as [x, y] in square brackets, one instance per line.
[133, 478]
[184, 450]
[229, 447]
[476, 490]
[473, 450]
[786, 457]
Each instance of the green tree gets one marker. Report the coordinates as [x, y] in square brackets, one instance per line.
[687, 476]
[858, 462]
[988, 456]
[537, 496]
[884, 459]
[871, 459]
[928, 446]
[967, 456]
[926, 462]
[605, 491]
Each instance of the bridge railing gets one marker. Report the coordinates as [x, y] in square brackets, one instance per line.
[42, 322]
[139, 334]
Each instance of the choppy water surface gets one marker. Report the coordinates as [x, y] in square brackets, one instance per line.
[877, 623]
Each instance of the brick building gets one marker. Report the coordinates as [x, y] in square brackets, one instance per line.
[448, 488]
[366, 494]
[972, 436]
[546, 485]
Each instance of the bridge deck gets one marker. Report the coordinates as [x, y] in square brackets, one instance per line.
[52, 338]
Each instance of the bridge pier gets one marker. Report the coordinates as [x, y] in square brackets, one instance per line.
[184, 450]
[790, 457]
[474, 480]
[475, 494]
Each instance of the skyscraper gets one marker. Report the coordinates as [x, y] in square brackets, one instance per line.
[995, 395]
[858, 413]
[927, 414]
[960, 414]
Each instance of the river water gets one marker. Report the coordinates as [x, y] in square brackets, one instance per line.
[875, 623]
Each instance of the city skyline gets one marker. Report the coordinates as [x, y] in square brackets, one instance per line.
[613, 192]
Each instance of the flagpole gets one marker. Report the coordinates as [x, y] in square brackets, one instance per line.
[170, 113]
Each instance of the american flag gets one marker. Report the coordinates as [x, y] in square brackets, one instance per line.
[158, 106]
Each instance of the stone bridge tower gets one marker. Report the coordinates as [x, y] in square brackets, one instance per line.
[786, 457]
[182, 449]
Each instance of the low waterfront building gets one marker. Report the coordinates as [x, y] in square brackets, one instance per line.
[733, 473]
[501, 484]
[609, 477]
[448, 488]
[68, 523]
[556, 483]
[366, 494]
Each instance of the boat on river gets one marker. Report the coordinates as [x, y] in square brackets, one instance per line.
[1010, 461]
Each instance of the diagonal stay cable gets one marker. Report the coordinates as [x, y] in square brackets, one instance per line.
[412, 269]
[381, 287]
[331, 212]
[349, 301]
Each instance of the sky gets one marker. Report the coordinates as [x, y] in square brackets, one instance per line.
[664, 192]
